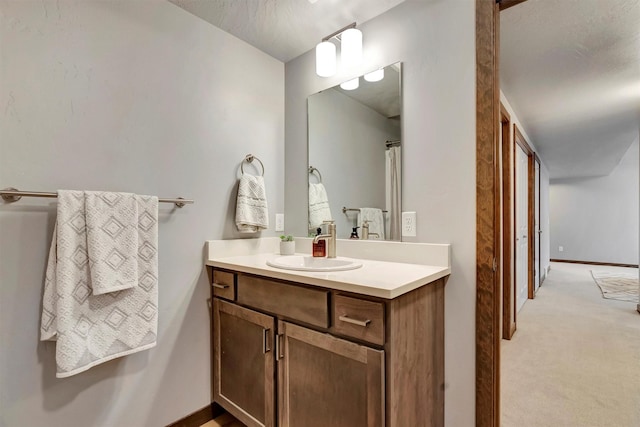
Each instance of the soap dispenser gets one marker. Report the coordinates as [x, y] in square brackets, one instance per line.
[354, 233]
[320, 248]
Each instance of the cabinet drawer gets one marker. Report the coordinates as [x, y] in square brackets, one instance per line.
[224, 284]
[359, 319]
[295, 302]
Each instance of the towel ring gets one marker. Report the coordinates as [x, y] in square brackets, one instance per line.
[312, 170]
[249, 158]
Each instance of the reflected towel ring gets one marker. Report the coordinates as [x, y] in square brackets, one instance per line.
[312, 170]
[249, 158]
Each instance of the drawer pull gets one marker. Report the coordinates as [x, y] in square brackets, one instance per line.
[279, 347]
[364, 323]
[265, 341]
[219, 286]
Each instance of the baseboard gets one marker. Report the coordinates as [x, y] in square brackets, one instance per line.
[613, 264]
[195, 419]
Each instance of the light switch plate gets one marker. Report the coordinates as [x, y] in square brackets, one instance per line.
[279, 222]
[409, 224]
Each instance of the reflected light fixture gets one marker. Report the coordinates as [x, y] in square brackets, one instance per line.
[350, 84]
[375, 76]
[350, 51]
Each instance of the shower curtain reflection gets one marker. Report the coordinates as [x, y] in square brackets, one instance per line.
[393, 192]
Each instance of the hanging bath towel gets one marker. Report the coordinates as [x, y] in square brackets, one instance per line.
[252, 214]
[91, 329]
[319, 209]
[376, 221]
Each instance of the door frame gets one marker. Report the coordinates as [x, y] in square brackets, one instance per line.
[509, 311]
[538, 232]
[520, 140]
[487, 27]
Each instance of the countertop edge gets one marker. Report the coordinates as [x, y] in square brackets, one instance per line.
[293, 276]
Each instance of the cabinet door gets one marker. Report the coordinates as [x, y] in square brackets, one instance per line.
[327, 381]
[243, 363]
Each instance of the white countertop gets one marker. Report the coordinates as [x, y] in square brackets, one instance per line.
[384, 279]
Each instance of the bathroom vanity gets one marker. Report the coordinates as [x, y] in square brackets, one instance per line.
[363, 347]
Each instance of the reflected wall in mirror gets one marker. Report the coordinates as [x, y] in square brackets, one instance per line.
[355, 157]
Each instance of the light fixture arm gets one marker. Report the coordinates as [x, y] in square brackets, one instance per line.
[337, 33]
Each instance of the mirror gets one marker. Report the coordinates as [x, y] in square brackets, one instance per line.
[354, 165]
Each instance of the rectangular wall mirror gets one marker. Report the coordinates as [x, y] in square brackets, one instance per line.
[355, 156]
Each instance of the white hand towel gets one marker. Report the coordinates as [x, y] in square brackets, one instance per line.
[319, 209]
[112, 240]
[376, 221]
[252, 214]
[92, 329]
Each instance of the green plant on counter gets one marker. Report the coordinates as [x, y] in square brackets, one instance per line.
[286, 238]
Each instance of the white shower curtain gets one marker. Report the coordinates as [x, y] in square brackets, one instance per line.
[394, 192]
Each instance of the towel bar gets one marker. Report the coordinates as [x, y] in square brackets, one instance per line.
[345, 210]
[10, 195]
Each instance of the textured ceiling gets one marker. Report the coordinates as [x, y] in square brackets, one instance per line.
[571, 71]
[284, 29]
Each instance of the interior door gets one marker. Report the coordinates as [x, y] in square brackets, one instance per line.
[521, 226]
[536, 229]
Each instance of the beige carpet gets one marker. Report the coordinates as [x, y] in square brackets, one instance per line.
[617, 285]
[575, 359]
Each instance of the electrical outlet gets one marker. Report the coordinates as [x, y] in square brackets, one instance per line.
[279, 222]
[560, 248]
[409, 224]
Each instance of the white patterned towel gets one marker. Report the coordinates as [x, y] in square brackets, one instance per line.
[319, 209]
[92, 329]
[112, 240]
[252, 214]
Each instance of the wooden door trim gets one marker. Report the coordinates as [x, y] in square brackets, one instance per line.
[508, 290]
[487, 296]
[487, 233]
[531, 197]
[506, 4]
[537, 235]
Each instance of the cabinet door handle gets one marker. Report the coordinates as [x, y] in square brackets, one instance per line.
[364, 323]
[279, 347]
[219, 286]
[265, 341]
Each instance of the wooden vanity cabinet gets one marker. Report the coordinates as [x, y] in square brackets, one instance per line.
[292, 355]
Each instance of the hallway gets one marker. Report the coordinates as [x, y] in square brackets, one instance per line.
[575, 357]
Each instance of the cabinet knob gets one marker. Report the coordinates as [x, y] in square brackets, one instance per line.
[219, 286]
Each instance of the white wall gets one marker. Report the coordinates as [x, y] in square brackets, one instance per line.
[124, 96]
[435, 41]
[596, 219]
[347, 145]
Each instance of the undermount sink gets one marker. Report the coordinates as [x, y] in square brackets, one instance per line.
[309, 263]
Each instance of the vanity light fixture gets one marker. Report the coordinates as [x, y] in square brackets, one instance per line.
[350, 51]
[350, 84]
[375, 76]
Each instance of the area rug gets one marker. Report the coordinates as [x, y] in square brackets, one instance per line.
[619, 286]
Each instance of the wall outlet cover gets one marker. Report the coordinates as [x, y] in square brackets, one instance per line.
[409, 223]
[279, 222]
[560, 248]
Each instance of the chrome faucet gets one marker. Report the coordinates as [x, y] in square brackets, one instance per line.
[365, 231]
[329, 238]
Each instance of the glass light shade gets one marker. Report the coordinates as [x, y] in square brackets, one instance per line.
[350, 84]
[325, 59]
[375, 76]
[351, 48]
